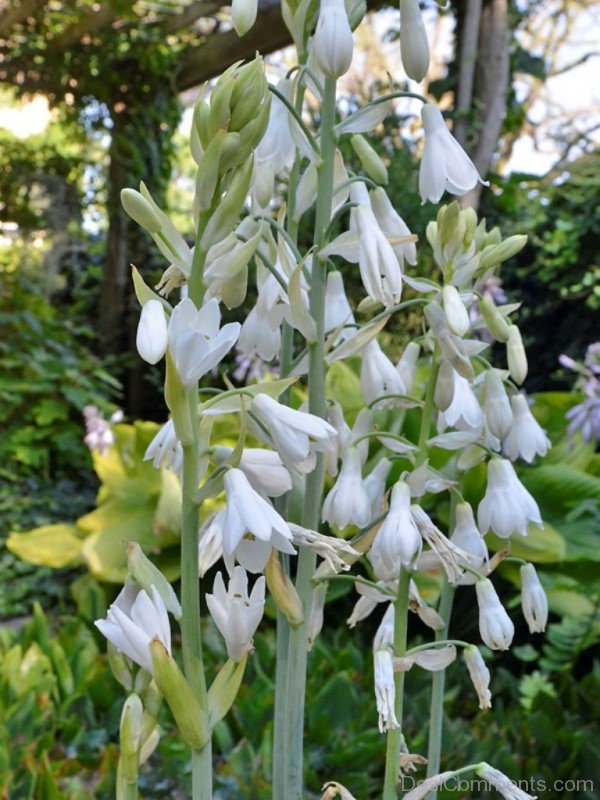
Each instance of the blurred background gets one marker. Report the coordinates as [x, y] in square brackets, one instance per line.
[97, 96]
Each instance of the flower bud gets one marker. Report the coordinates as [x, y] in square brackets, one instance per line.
[144, 572]
[283, 590]
[444, 387]
[317, 608]
[120, 667]
[370, 160]
[224, 688]
[495, 626]
[480, 675]
[498, 414]
[494, 319]
[152, 336]
[533, 599]
[332, 42]
[183, 703]
[503, 251]
[515, 355]
[250, 93]
[407, 366]
[140, 210]
[130, 733]
[414, 47]
[243, 15]
[457, 316]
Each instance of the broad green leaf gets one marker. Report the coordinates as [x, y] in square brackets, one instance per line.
[54, 546]
[545, 546]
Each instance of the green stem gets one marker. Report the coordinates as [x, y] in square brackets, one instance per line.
[394, 736]
[297, 658]
[436, 714]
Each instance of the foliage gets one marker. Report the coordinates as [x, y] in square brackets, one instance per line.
[47, 377]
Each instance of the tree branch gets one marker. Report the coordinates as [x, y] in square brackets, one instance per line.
[18, 13]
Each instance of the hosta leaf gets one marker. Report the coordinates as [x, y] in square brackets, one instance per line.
[49, 546]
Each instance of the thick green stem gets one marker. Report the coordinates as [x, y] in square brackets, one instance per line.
[297, 658]
[436, 714]
[394, 737]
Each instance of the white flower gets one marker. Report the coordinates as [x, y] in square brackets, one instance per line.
[480, 675]
[407, 366]
[237, 614]
[243, 15]
[380, 270]
[133, 621]
[263, 468]
[165, 449]
[526, 439]
[378, 376]
[335, 417]
[348, 503]
[296, 435]
[444, 165]
[384, 636]
[533, 599]
[466, 535]
[398, 541]
[502, 783]
[507, 506]
[457, 316]
[414, 47]
[374, 485]
[276, 148]
[495, 626]
[251, 526]
[498, 415]
[337, 308]
[257, 337]
[152, 338]
[393, 226]
[464, 409]
[385, 690]
[332, 43]
[195, 341]
[210, 542]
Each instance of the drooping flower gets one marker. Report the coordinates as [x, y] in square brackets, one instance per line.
[507, 506]
[374, 485]
[393, 226]
[498, 414]
[398, 541]
[196, 343]
[251, 526]
[414, 46]
[495, 626]
[263, 468]
[444, 165]
[533, 599]
[464, 410]
[332, 44]
[348, 503]
[338, 312]
[466, 535]
[407, 365]
[236, 613]
[152, 338]
[133, 621]
[378, 376]
[526, 439]
[165, 449]
[480, 675]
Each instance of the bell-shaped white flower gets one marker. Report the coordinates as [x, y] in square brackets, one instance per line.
[414, 46]
[526, 439]
[385, 690]
[133, 621]
[393, 226]
[457, 316]
[263, 468]
[243, 15]
[407, 366]
[165, 449]
[378, 376]
[498, 414]
[507, 506]
[236, 613]
[332, 43]
[257, 337]
[380, 270]
[338, 312]
[348, 503]
[210, 542]
[251, 526]
[533, 599]
[444, 165]
[296, 435]
[398, 541]
[464, 410]
[480, 675]
[495, 626]
[152, 337]
[196, 343]
[466, 535]
[374, 485]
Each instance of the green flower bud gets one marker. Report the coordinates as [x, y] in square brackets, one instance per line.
[146, 575]
[201, 122]
[249, 93]
[225, 217]
[224, 689]
[494, 319]
[283, 590]
[140, 210]
[515, 355]
[120, 666]
[371, 162]
[185, 707]
[130, 734]
[501, 252]
[449, 222]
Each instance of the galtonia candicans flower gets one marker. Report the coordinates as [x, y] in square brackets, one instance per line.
[495, 626]
[507, 506]
[152, 338]
[348, 502]
[533, 599]
[235, 612]
[526, 439]
[332, 43]
[398, 541]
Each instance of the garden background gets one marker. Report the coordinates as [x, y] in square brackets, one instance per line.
[96, 97]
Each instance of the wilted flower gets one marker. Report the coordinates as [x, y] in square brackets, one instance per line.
[385, 690]
[480, 675]
[502, 783]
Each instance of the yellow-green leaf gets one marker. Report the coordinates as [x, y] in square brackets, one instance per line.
[49, 546]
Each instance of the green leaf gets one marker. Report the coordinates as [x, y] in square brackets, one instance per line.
[545, 546]
[50, 410]
[49, 546]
